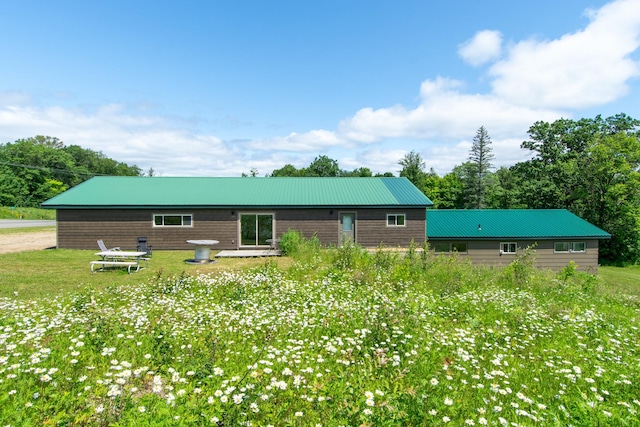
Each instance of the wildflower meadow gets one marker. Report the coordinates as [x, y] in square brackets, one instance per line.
[343, 337]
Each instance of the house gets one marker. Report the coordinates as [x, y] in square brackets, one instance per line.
[241, 213]
[493, 237]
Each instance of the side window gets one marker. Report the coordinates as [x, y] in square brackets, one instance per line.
[172, 220]
[459, 247]
[441, 247]
[508, 248]
[563, 247]
[396, 220]
[578, 247]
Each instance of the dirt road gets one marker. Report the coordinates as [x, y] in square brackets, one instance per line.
[18, 242]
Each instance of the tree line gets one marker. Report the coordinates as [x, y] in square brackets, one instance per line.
[35, 169]
[590, 167]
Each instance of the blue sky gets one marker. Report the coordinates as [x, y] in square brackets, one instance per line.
[216, 88]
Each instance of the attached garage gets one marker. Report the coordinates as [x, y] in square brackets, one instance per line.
[494, 237]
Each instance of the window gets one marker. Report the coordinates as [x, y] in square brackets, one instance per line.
[441, 246]
[450, 247]
[172, 220]
[569, 247]
[578, 247]
[508, 248]
[459, 247]
[395, 220]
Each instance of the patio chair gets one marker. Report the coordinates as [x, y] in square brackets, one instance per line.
[104, 248]
[143, 247]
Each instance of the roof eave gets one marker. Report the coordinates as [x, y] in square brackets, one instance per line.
[238, 206]
[592, 237]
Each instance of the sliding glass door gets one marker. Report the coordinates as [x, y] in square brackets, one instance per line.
[256, 229]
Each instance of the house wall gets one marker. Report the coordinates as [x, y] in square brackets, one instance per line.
[81, 228]
[488, 253]
[371, 225]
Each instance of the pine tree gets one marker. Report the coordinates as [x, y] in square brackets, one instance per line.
[479, 168]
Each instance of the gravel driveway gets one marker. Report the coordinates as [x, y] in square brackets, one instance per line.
[30, 241]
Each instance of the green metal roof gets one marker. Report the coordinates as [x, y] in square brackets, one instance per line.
[490, 224]
[139, 192]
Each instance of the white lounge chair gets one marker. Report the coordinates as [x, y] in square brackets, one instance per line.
[103, 247]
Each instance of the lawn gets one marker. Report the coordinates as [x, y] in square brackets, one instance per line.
[624, 280]
[36, 274]
[327, 337]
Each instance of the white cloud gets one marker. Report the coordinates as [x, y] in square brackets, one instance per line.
[485, 46]
[145, 141]
[377, 159]
[152, 142]
[313, 140]
[445, 113]
[580, 70]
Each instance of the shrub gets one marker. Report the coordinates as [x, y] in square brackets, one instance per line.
[523, 266]
[347, 256]
[290, 242]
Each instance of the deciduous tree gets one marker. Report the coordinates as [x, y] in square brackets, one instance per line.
[413, 168]
[323, 166]
[590, 167]
[35, 169]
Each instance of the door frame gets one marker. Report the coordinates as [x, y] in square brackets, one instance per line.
[273, 228]
[355, 226]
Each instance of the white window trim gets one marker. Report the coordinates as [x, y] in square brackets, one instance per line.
[396, 215]
[503, 252]
[182, 215]
[578, 252]
[239, 227]
[571, 246]
[555, 248]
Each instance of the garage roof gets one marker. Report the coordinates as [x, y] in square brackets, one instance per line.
[492, 224]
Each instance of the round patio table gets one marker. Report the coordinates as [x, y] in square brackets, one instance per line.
[203, 251]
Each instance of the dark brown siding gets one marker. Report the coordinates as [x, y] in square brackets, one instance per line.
[371, 225]
[372, 229]
[80, 229]
[488, 253]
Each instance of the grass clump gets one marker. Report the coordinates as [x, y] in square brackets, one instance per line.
[344, 336]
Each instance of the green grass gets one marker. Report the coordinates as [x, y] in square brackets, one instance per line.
[620, 282]
[621, 279]
[327, 337]
[48, 273]
[26, 213]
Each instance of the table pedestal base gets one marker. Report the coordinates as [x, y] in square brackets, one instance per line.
[200, 261]
[203, 251]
